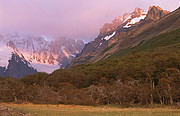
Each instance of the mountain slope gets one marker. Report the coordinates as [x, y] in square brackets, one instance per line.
[151, 26]
[17, 67]
[109, 30]
[163, 41]
[44, 55]
[154, 56]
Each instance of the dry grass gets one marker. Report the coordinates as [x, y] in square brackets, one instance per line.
[75, 110]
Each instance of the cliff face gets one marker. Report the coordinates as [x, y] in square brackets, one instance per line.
[17, 68]
[109, 30]
[100, 43]
[156, 13]
[44, 55]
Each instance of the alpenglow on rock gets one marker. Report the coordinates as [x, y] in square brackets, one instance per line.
[108, 30]
[156, 13]
[42, 54]
[135, 28]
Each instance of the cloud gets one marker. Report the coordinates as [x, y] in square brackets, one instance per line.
[77, 19]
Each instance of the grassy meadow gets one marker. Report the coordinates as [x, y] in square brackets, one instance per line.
[76, 110]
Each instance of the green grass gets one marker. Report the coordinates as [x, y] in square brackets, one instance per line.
[75, 110]
[87, 58]
[163, 40]
[108, 48]
[104, 57]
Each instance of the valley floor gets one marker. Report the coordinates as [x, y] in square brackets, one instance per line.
[76, 110]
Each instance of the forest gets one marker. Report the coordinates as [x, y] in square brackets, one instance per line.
[141, 77]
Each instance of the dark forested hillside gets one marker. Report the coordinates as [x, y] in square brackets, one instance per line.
[146, 74]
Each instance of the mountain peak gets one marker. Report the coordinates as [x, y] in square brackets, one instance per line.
[134, 17]
[155, 7]
[139, 11]
[42, 54]
[156, 12]
[109, 28]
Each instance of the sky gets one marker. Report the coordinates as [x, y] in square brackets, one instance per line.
[75, 19]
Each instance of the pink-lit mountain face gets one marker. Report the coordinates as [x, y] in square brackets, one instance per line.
[133, 18]
[40, 54]
[127, 18]
[130, 31]
[155, 13]
[43, 55]
[110, 29]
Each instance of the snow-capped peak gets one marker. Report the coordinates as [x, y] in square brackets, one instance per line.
[134, 17]
[40, 51]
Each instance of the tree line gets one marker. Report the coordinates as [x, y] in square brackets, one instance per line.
[144, 78]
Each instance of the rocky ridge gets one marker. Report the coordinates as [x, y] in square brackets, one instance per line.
[136, 28]
[43, 54]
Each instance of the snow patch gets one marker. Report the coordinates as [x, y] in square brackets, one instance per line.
[77, 52]
[100, 44]
[46, 38]
[109, 36]
[5, 55]
[64, 51]
[133, 21]
[73, 55]
[127, 19]
[85, 42]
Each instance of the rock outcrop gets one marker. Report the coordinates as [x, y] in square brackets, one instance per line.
[155, 13]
